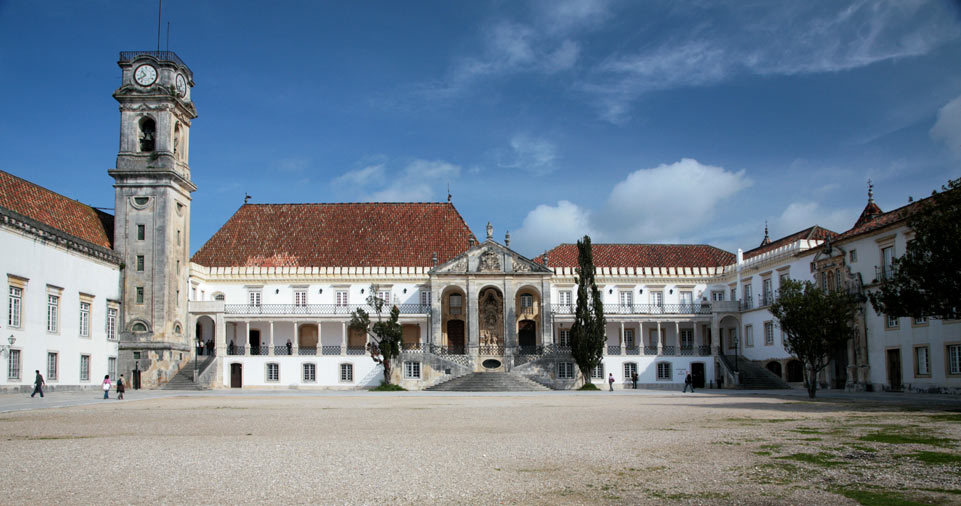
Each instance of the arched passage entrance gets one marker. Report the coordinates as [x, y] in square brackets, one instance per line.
[206, 332]
[455, 337]
[527, 335]
[775, 368]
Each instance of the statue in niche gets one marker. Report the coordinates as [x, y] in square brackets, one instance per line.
[489, 262]
[491, 318]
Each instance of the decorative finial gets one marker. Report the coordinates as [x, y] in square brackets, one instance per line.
[433, 258]
[870, 192]
[765, 230]
[545, 259]
[767, 239]
[246, 197]
[448, 193]
[507, 239]
[490, 231]
[470, 241]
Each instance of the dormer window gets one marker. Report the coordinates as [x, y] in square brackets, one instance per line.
[148, 135]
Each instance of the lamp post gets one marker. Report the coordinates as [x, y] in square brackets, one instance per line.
[736, 341]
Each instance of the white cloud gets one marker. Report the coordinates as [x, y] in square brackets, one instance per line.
[798, 216]
[773, 39]
[546, 226]
[670, 199]
[534, 155]
[418, 181]
[362, 177]
[947, 128]
[659, 204]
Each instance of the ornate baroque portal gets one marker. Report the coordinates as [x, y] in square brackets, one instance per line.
[491, 318]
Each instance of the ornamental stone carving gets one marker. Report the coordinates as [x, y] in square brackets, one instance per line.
[491, 318]
[489, 261]
[520, 266]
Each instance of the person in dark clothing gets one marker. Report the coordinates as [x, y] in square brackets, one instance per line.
[634, 379]
[289, 348]
[120, 388]
[38, 385]
[688, 382]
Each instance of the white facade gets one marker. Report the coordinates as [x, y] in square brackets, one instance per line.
[46, 287]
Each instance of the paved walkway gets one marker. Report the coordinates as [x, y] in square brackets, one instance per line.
[22, 402]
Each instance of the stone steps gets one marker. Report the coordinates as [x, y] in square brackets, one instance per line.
[184, 379]
[489, 382]
[755, 377]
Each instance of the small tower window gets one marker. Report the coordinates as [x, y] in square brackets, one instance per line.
[148, 134]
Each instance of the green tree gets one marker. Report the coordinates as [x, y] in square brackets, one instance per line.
[385, 334]
[815, 323]
[587, 333]
[926, 281]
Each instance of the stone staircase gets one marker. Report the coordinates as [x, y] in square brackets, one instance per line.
[753, 376]
[489, 382]
[184, 379]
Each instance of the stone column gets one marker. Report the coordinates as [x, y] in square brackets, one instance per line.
[270, 347]
[296, 341]
[246, 338]
[470, 316]
[320, 337]
[715, 336]
[621, 340]
[694, 337]
[510, 312]
[660, 339]
[677, 337]
[343, 339]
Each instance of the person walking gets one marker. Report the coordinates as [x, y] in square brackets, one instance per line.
[634, 379]
[120, 388]
[38, 385]
[106, 386]
[688, 382]
[610, 381]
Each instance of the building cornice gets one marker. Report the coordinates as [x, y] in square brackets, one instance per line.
[30, 227]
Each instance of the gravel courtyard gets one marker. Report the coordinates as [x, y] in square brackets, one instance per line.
[529, 449]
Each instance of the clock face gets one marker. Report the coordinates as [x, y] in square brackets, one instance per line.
[145, 75]
[181, 85]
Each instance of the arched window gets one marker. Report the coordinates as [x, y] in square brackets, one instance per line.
[139, 327]
[219, 296]
[148, 135]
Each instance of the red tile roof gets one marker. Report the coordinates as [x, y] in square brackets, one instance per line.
[870, 221]
[329, 235]
[814, 233]
[642, 255]
[55, 210]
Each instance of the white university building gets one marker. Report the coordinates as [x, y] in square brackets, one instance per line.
[266, 302]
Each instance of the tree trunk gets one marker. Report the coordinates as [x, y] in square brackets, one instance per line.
[812, 382]
[386, 372]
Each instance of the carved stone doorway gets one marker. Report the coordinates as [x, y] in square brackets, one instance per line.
[491, 319]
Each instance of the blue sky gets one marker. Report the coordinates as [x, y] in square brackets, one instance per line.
[672, 121]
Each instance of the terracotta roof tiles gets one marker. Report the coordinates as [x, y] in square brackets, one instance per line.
[55, 210]
[642, 255]
[347, 235]
[814, 233]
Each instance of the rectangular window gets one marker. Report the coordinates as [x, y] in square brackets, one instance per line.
[747, 294]
[140, 262]
[310, 373]
[630, 368]
[84, 367]
[733, 293]
[769, 333]
[598, 371]
[13, 366]
[347, 373]
[717, 296]
[657, 298]
[527, 301]
[767, 291]
[139, 295]
[273, 372]
[954, 359]
[53, 313]
[782, 278]
[253, 297]
[853, 255]
[664, 371]
[300, 298]
[112, 323]
[887, 262]
[15, 307]
[412, 370]
[626, 298]
[84, 319]
[687, 300]
[112, 367]
[921, 361]
[141, 232]
[687, 338]
[629, 338]
[748, 335]
[565, 370]
[565, 297]
[564, 337]
[52, 366]
[384, 295]
[341, 297]
[892, 322]
[424, 299]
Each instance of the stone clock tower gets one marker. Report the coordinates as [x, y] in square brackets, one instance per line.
[152, 207]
